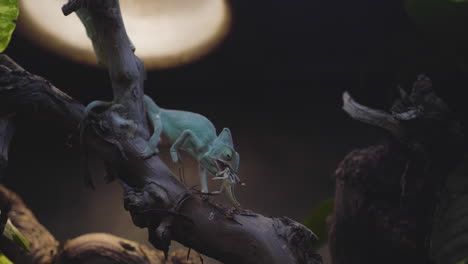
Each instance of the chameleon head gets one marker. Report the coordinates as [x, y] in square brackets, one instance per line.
[222, 154]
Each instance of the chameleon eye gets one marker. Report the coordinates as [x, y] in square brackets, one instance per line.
[228, 154]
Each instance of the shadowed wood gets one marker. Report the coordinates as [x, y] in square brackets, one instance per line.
[155, 198]
[6, 134]
[85, 249]
[386, 195]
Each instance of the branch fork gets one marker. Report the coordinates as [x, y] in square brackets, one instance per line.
[152, 194]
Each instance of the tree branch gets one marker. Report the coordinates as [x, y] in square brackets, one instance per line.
[372, 117]
[154, 197]
[23, 93]
[105, 248]
[6, 130]
[44, 247]
[386, 195]
[89, 248]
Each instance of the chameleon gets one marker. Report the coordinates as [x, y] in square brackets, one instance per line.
[194, 134]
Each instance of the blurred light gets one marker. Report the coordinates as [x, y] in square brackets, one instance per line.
[166, 33]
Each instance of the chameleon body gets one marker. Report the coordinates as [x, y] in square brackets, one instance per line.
[195, 134]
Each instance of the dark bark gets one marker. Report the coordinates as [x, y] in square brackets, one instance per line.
[154, 197]
[6, 131]
[90, 248]
[44, 247]
[386, 194]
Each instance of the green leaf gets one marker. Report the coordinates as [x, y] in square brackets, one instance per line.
[317, 220]
[14, 235]
[8, 14]
[4, 259]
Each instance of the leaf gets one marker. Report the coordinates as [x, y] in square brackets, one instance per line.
[317, 220]
[465, 261]
[8, 14]
[14, 235]
[4, 259]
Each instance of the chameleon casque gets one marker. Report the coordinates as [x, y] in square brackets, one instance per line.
[196, 135]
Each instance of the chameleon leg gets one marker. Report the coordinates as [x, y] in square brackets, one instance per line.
[191, 143]
[188, 141]
[203, 180]
[152, 147]
[153, 113]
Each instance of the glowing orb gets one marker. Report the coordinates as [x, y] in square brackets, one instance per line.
[166, 33]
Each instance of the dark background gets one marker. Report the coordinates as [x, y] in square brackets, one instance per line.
[276, 81]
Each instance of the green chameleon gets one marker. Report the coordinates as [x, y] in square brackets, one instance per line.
[186, 131]
[195, 134]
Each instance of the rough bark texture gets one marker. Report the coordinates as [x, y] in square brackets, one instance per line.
[44, 247]
[154, 197]
[86, 249]
[386, 194]
[6, 130]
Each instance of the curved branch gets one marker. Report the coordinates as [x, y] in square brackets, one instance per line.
[43, 246]
[386, 194]
[105, 248]
[371, 116]
[89, 248]
[155, 198]
[24, 93]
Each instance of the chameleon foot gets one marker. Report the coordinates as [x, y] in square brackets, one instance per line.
[176, 157]
[149, 152]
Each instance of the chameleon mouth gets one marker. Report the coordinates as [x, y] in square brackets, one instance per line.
[222, 165]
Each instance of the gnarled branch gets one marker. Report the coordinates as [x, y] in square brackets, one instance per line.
[386, 194]
[89, 248]
[154, 197]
